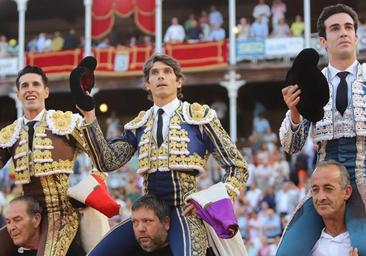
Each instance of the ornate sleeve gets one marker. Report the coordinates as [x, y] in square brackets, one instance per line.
[292, 140]
[228, 156]
[112, 154]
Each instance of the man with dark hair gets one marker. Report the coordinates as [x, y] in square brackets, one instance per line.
[173, 140]
[151, 223]
[340, 134]
[330, 190]
[43, 145]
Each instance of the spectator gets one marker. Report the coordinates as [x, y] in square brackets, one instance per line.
[13, 47]
[104, 43]
[188, 22]
[32, 45]
[3, 47]
[194, 32]
[23, 222]
[41, 43]
[217, 34]
[71, 41]
[278, 12]
[281, 29]
[259, 29]
[272, 224]
[243, 29]
[151, 223]
[298, 26]
[286, 198]
[57, 42]
[215, 17]
[175, 32]
[262, 10]
[330, 190]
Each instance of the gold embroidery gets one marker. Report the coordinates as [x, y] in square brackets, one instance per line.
[61, 120]
[198, 111]
[138, 118]
[63, 220]
[198, 235]
[7, 133]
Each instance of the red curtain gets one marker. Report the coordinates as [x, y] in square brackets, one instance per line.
[104, 11]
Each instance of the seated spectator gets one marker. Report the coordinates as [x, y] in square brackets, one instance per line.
[188, 22]
[13, 47]
[23, 222]
[259, 29]
[194, 32]
[278, 12]
[151, 223]
[217, 34]
[272, 224]
[298, 26]
[262, 10]
[330, 190]
[175, 32]
[215, 17]
[71, 41]
[32, 45]
[3, 47]
[243, 29]
[43, 44]
[57, 42]
[104, 44]
[281, 29]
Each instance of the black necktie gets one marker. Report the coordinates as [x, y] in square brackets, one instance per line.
[159, 131]
[30, 133]
[342, 94]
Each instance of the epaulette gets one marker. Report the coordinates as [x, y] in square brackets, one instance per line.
[10, 134]
[197, 114]
[62, 123]
[139, 120]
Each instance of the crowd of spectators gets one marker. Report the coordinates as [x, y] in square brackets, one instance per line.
[263, 26]
[8, 48]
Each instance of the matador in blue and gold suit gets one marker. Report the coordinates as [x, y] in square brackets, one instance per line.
[169, 171]
[341, 138]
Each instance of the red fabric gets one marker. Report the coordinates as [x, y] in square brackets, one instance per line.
[192, 57]
[105, 10]
[100, 199]
[145, 22]
[123, 7]
[146, 7]
[102, 8]
[102, 27]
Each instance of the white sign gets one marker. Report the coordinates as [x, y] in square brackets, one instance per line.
[8, 66]
[285, 46]
[121, 61]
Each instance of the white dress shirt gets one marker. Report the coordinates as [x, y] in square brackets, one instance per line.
[335, 246]
[334, 80]
[169, 110]
[37, 118]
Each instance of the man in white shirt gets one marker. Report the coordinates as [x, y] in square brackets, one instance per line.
[340, 135]
[175, 32]
[330, 190]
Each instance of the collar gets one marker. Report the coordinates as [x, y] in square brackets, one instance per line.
[338, 239]
[168, 108]
[38, 118]
[351, 69]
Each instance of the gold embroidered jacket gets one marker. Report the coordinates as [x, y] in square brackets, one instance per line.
[57, 139]
[194, 132]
